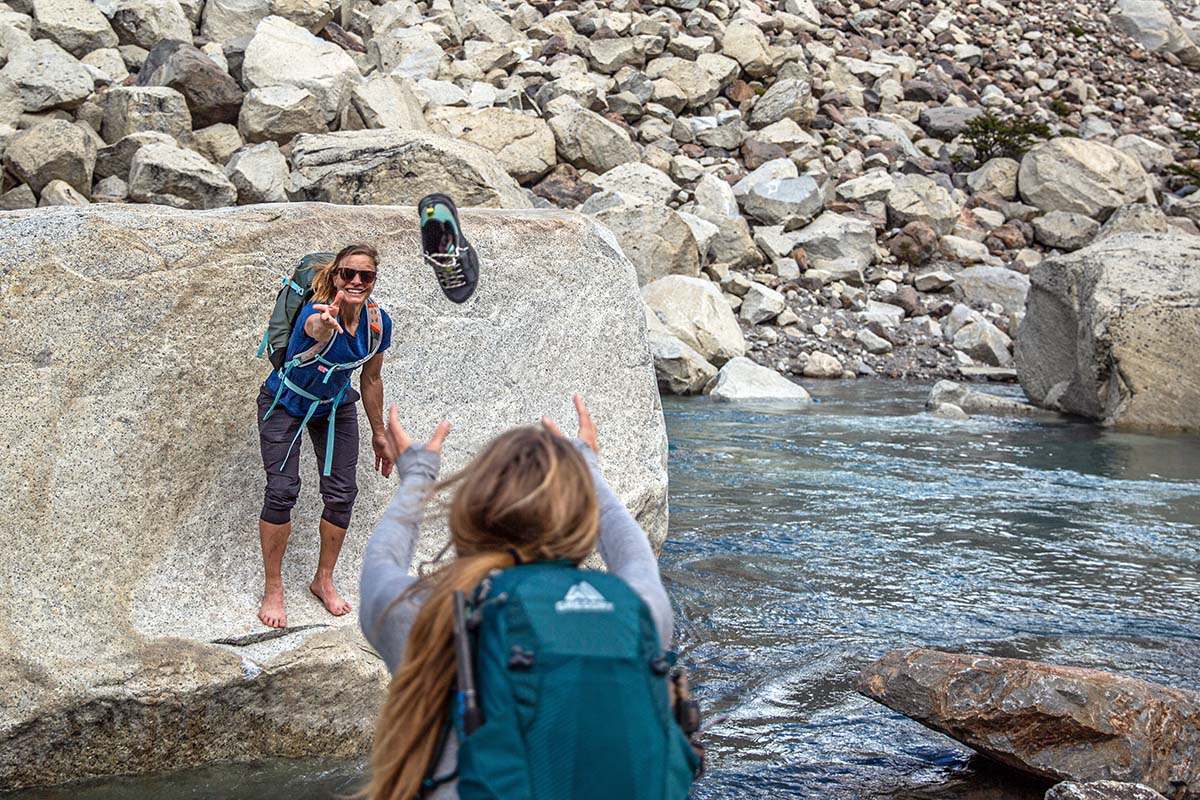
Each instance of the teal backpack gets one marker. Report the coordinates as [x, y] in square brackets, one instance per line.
[296, 291]
[567, 698]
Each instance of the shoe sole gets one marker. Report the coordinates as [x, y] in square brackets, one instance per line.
[468, 260]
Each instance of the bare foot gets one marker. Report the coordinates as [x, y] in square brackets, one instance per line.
[323, 590]
[271, 611]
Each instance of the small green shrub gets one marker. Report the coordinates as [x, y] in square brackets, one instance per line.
[993, 137]
[1061, 107]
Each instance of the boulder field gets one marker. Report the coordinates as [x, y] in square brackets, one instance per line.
[128, 635]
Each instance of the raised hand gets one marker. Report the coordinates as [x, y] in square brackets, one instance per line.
[398, 441]
[587, 428]
[328, 321]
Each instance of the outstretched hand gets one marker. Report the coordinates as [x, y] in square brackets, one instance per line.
[328, 320]
[587, 428]
[398, 441]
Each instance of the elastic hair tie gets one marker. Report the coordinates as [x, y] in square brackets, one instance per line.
[517, 560]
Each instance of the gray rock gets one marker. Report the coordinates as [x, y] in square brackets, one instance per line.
[136, 109]
[1052, 721]
[1065, 230]
[137, 610]
[933, 281]
[916, 198]
[638, 181]
[387, 102]
[110, 190]
[312, 15]
[654, 238]
[211, 93]
[834, 242]
[171, 176]
[776, 169]
[47, 76]
[18, 198]
[397, 168]
[217, 142]
[1101, 790]
[889, 131]
[406, 52]
[746, 44]
[1137, 218]
[774, 201]
[53, 150]
[693, 310]
[872, 343]
[949, 411]
[1089, 178]
[1151, 155]
[587, 140]
[523, 144]
[1188, 206]
[733, 245]
[226, 20]
[985, 343]
[788, 98]
[1151, 23]
[610, 55]
[11, 107]
[975, 403]
[145, 23]
[761, 303]
[741, 380]
[963, 251]
[822, 365]
[947, 122]
[109, 62]
[284, 54]
[76, 26]
[61, 193]
[998, 175]
[1106, 329]
[699, 85]
[875, 185]
[116, 158]
[983, 285]
[279, 114]
[679, 369]
[260, 173]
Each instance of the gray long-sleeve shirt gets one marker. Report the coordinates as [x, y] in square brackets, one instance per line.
[389, 553]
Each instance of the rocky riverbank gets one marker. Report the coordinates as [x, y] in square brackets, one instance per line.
[867, 185]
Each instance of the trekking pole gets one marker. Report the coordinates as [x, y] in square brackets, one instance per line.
[468, 701]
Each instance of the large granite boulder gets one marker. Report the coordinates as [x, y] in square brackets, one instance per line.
[177, 177]
[76, 26]
[1110, 330]
[47, 76]
[127, 616]
[678, 368]
[1086, 177]
[522, 143]
[53, 150]
[586, 139]
[394, 167]
[655, 238]
[1061, 723]
[1152, 25]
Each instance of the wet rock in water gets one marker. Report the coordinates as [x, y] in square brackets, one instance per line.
[694, 310]
[1084, 177]
[1061, 723]
[134, 662]
[398, 168]
[1101, 790]
[949, 411]
[1108, 330]
[975, 402]
[742, 380]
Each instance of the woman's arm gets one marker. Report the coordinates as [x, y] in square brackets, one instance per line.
[388, 557]
[371, 385]
[626, 550]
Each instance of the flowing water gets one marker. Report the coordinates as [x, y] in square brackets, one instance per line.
[805, 543]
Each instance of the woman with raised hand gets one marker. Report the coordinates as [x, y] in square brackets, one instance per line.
[340, 330]
[523, 515]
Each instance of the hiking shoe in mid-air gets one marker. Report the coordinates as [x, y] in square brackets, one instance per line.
[445, 249]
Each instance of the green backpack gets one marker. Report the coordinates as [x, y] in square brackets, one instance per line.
[572, 684]
[296, 291]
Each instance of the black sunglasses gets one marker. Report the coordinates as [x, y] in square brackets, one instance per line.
[367, 276]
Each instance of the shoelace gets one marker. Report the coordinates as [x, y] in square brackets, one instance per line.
[448, 269]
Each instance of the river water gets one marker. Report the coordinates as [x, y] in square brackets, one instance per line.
[806, 542]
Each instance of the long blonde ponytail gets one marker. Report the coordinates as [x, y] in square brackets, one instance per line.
[528, 496]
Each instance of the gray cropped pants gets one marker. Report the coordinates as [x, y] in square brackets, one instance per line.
[275, 435]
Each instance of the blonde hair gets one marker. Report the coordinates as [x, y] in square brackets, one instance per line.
[527, 497]
[322, 283]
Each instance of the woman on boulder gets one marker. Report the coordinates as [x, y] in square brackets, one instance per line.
[553, 650]
[340, 330]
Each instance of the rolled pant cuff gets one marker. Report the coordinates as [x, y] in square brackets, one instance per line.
[339, 518]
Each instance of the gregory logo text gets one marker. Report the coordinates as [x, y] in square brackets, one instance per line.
[583, 597]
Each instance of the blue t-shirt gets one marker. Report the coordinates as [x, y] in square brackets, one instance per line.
[311, 378]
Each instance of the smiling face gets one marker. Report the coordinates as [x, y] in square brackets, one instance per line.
[355, 291]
